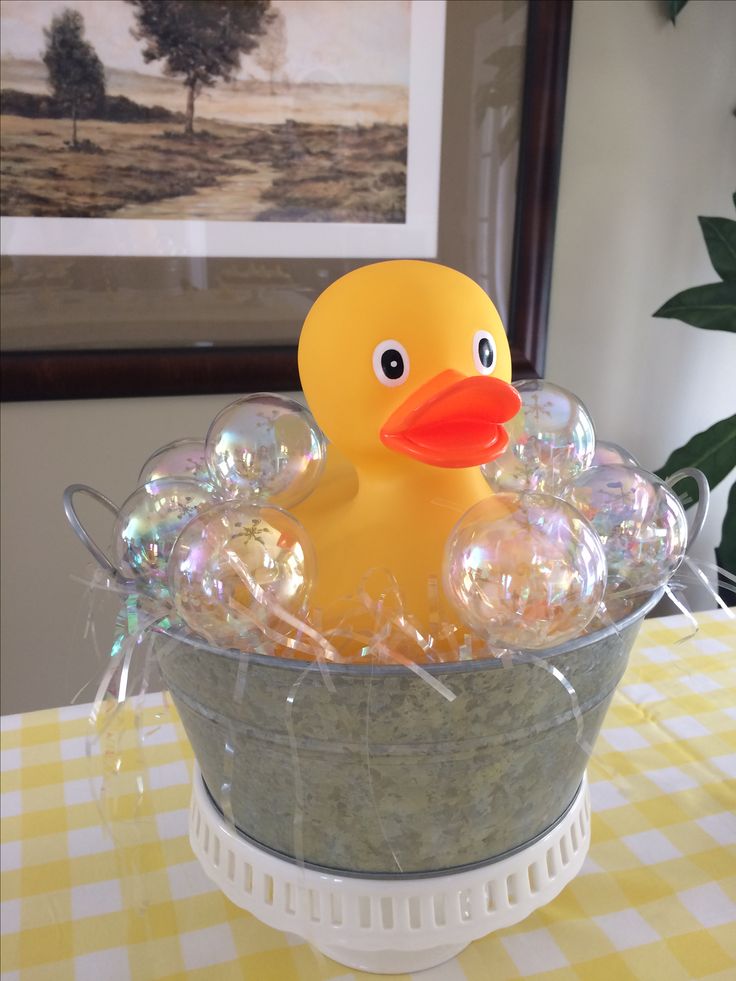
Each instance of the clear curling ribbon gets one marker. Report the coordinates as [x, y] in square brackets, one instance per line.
[116, 742]
[369, 773]
[378, 646]
[132, 627]
[320, 648]
[298, 848]
[701, 577]
[562, 678]
[226, 787]
[228, 759]
[726, 581]
[671, 593]
[511, 659]
[386, 619]
[298, 821]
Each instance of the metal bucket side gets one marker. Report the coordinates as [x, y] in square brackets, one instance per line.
[383, 775]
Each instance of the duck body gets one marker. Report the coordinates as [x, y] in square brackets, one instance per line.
[405, 366]
[392, 523]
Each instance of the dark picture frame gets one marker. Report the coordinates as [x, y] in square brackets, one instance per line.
[132, 372]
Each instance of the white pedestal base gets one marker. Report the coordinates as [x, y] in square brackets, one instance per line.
[388, 926]
[391, 961]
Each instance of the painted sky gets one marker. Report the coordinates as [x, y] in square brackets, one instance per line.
[363, 42]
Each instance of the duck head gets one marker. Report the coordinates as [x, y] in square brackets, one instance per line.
[408, 358]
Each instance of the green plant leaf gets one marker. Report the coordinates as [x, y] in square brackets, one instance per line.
[674, 7]
[713, 451]
[726, 551]
[712, 307]
[720, 238]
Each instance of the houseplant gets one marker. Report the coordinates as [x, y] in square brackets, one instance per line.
[711, 307]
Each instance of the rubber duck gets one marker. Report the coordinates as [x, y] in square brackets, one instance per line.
[406, 367]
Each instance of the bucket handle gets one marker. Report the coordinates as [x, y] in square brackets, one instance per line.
[701, 511]
[83, 535]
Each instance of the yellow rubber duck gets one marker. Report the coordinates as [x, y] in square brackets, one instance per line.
[406, 367]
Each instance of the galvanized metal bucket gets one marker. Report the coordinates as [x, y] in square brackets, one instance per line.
[369, 770]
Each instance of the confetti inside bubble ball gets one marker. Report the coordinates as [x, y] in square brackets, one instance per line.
[182, 458]
[550, 441]
[611, 453]
[265, 448]
[237, 563]
[524, 570]
[639, 520]
[149, 523]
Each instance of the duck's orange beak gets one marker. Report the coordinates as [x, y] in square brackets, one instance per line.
[453, 420]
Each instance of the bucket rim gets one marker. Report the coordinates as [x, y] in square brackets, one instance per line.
[381, 670]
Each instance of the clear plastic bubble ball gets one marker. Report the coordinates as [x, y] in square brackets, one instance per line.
[639, 520]
[524, 570]
[182, 458]
[149, 523]
[237, 560]
[611, 453]
[550, 441]
[265, 448]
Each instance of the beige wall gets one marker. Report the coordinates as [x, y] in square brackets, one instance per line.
[649, 145]
[46, 446]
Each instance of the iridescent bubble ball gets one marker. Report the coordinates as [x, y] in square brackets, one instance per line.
[639, 520]
[235, 564]
[182, 458]
[550, 441]
[148, 524]
[524, 570]
[265, 448]
[611, 453]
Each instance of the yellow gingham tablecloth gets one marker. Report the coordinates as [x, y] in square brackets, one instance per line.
[123, 897]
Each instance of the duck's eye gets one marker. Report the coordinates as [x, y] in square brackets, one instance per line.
[391, 363]
[484, 352]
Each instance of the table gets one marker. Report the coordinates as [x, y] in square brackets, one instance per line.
[123, 897]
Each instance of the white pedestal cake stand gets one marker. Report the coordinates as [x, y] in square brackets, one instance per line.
[388, 926]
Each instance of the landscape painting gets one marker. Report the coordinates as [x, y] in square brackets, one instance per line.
[283, 128]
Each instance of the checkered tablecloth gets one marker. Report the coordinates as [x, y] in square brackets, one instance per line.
[99, 882]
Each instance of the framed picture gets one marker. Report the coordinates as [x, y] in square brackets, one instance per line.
[453, 158]
[328, 151]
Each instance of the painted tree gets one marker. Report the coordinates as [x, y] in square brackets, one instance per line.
[201, 40]
[271, 52]
[76, 74]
